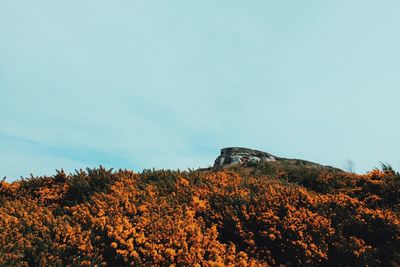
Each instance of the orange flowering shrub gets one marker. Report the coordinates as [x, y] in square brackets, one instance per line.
[101, 217]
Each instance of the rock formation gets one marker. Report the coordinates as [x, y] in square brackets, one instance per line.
[238, 155]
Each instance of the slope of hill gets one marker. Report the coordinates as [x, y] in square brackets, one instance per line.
[255, 213]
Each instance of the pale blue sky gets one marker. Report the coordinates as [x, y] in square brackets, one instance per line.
[166, 84]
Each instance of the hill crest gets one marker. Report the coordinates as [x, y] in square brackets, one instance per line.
[231, 156]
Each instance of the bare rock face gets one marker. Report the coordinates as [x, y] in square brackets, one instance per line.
[238, 155]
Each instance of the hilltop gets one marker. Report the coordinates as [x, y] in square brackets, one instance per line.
[245, 157]
[251, 209]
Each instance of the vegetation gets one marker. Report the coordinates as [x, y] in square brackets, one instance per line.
[256, 215]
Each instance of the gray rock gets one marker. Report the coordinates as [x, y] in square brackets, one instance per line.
[239, 155]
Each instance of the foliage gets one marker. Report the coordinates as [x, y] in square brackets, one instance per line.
[292, 217]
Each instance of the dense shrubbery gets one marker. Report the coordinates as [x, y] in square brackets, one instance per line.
[292, 217]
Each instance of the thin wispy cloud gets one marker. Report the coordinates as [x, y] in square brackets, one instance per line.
[34, 151]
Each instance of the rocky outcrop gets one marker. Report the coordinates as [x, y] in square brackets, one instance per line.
[238, 155]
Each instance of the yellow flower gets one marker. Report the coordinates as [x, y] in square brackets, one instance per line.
[169, 252]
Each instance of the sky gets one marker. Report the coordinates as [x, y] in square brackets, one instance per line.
[167, 84]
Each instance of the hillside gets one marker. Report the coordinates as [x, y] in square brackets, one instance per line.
[243, 213]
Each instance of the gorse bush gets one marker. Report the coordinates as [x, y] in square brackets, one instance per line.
[83, 184]
[292, 217]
